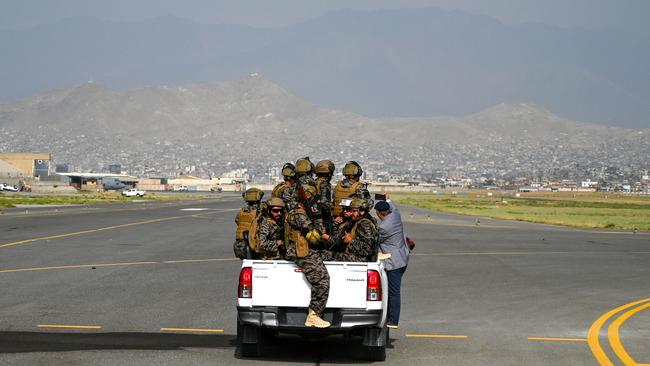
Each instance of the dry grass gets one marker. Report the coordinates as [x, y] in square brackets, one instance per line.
[587, 210]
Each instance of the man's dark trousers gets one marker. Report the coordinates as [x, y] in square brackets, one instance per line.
[394, 286]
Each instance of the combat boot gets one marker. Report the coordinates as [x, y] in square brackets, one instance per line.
[313, 320]
[383, 256]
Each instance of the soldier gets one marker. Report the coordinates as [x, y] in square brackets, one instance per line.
[340, 225]
[244, 220]
[271, 233]
[324, 171]
[360, 241]
[305, 171]
[287, 189]
[349, 186]
[302, 238]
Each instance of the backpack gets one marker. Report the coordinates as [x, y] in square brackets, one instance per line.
[254, 234]
[277, 191]
[246, 218]
[341, 193]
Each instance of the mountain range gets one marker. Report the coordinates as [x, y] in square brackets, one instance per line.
[411, 62]
[254, 123]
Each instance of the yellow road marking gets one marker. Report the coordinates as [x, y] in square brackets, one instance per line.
[101, 229]
[69, 326]
[202, 260]
[557, 339]
[433, 222]
[78, 208]
[75, 267]
[451, 254]
[200, 330]
[615, 339]
[417, 335]
[491, 253]
[594, 332]
[78, 266]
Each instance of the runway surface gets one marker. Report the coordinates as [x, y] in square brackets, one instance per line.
[147, 283]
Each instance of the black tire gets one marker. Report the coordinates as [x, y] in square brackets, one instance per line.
[250, 349]
[376, 353]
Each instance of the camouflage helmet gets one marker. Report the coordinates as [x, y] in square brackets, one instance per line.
[275, 202]
[324, 167]
[304, 166]
[288, 170]
[306, 193]
[359, 203]
[352, 168]
[253, 195]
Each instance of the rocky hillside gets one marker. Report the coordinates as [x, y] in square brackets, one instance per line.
[254, 123]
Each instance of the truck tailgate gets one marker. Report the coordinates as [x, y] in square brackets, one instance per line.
[281, 283]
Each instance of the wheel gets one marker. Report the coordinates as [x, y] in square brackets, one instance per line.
[375, 353]
[374, 343]
[249, 339]
[250, 349]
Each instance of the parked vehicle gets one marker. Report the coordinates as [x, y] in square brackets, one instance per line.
[273, 297]
[7, 187]
[133, 192]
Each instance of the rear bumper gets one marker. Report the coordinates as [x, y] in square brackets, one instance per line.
[288, 319]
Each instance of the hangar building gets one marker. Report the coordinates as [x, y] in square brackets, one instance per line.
[24, 165]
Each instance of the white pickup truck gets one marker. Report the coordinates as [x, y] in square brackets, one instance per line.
[273, 296]
[133, 192]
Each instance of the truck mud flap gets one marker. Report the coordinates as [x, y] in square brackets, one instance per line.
[375, 337]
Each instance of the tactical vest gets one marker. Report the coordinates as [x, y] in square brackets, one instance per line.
[246, 218]
[293, 236]
[254, 233]
[353, 231]
[341, 193]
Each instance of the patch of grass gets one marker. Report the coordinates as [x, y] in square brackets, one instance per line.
[577, 210]
[86, 198]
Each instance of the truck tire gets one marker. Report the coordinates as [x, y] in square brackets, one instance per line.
[375, 353]
[374, 343]
[249, 338]
[251, 350]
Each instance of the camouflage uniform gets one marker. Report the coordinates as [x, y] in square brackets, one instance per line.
[270, 232]
[240, 247]
[335, 243]
[306, 179]
[325, 201]
[363, 246]
[312, 264]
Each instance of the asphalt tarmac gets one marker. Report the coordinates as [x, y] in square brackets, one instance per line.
[153, 283]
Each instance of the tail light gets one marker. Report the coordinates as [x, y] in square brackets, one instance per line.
[245, 289]
[373, 286]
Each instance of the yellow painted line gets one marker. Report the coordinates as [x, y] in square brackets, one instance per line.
[69, 326]
[594, 332]
[75, 267]
[417, 335]
[557, 339]
[199, 330]
[490, 253]
[78, 208]
[614, 336]
[202, 260]
[482, 225]
[100, 229]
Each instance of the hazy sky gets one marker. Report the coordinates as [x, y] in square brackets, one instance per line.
[628, 15]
